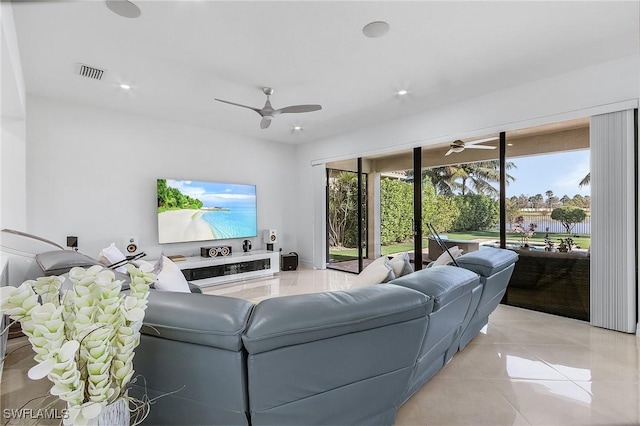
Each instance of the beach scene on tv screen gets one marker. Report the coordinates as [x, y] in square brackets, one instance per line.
[199, 211]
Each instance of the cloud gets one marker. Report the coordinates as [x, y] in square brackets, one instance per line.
[570, 181]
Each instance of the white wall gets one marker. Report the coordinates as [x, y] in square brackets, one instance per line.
[580, 93]
[13, 206]
[92, 173]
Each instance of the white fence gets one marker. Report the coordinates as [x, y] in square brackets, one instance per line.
[545, 221]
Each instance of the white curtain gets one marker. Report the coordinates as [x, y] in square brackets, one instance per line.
[613, 221]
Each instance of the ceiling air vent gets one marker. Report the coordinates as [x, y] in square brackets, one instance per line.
[90, 72]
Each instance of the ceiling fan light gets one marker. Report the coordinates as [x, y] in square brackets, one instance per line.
[457, 148]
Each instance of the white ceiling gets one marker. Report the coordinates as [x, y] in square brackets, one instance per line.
[180, 55]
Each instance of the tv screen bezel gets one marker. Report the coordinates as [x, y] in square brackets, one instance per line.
[255, 192]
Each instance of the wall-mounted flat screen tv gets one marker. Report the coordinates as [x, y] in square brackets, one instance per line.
[190, 210]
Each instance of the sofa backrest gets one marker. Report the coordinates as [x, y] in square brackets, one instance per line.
[340, 357]
[191, 344]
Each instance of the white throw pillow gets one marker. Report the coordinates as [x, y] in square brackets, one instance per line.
[170, 278]
[445, 259]
[378, 271]
[401, 265]
[110, 255]
[145, 266]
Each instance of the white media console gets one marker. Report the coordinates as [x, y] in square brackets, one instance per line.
[208, 271]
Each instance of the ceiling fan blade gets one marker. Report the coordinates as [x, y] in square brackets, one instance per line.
[265, 122]
[298, 108]
[479, 147]
[449, 152]
[493, 138]
[240, 105]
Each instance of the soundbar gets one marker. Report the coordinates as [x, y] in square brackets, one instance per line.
[215, 251]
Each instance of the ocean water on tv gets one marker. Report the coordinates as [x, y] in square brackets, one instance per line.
[238, 222]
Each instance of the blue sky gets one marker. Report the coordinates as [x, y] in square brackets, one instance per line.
[560, 173]
[213, 194]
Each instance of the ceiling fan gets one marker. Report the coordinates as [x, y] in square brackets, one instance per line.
[267, 112]
[459, 146]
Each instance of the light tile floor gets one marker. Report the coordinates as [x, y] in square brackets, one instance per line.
[524, 368]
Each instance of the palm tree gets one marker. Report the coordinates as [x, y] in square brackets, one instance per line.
[585, 180]
[471, 177]
[536, 201]
[482, 174]
[443, 179]
[549, 195]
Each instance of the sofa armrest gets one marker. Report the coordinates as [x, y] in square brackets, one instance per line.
[293, 320]
[202, 319]
[488, 261]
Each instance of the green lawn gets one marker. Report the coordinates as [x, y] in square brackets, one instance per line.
[582, 241]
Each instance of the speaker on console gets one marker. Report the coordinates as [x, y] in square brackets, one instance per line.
[131, 245]
[270, 236]
[215, 251]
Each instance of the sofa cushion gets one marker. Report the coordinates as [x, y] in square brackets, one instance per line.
[170, 278]
[487, 261]
[401, 265]
[378, 271]
[442, 283]
[446, 257]
[292, 320]
[58, 262]
[111, 255]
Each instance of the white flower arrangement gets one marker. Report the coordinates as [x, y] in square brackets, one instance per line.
[84, 338]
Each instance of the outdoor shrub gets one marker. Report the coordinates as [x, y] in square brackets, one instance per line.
[438, 210]
[477, 213]
[396, 210]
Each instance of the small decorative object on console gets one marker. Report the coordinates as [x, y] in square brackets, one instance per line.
[246, 246]
[177, 257]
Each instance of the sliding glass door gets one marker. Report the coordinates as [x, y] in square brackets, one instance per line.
[347, 218]
[548, 218]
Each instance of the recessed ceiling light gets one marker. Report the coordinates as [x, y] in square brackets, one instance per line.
[376, 29]
[125, 86]
[402, 92]
[509, 144]
[297, 128]
[124, 8]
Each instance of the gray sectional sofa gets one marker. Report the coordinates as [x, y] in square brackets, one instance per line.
[336, 358]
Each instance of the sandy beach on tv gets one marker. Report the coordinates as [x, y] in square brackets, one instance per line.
[183, 225]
